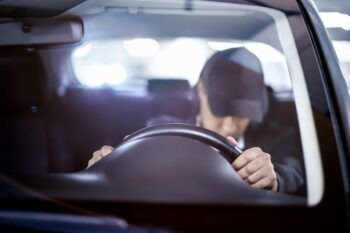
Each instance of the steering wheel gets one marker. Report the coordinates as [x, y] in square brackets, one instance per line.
[227, 150]
[161, 164]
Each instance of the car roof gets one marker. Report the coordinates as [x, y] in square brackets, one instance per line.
[40, 9]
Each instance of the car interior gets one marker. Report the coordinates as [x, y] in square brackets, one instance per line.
[58, 105]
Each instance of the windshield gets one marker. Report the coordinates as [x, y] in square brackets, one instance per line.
[232, 69]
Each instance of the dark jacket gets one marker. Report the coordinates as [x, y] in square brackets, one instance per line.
[283, 144]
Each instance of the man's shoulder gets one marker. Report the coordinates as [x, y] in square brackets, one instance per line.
[269, 133]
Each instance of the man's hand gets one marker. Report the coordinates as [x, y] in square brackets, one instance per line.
[255, 167]
[99, 154]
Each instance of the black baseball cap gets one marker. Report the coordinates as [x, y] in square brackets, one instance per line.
[234, 83]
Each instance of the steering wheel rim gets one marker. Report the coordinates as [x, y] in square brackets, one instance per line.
[229, 151]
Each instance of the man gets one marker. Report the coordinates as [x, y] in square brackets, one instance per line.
[233, 102]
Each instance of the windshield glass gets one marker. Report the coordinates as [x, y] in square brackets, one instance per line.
[229, 73]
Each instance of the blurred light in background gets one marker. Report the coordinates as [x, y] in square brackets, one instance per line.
[181, 58]
[342, 49]
[143, 47]
[82, 51]
[133, 61]
[335, 20]
[97, 75]
[218, 45]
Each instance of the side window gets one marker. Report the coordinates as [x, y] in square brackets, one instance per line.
[330, 25]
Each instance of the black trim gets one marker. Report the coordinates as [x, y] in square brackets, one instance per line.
[335, 87]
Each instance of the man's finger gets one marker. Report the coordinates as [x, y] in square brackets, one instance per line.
[253, 167]
[105, 150]
[93, 160]
[246, 157]
[265, 183]
[265, 171]
[232, 140]
[96, 154]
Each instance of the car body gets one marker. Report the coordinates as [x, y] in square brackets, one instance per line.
[77, 75]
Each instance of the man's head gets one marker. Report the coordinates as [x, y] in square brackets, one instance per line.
[232, 92]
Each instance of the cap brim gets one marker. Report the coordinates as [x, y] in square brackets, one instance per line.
[241, 108]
